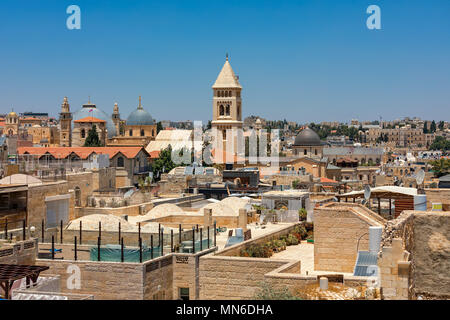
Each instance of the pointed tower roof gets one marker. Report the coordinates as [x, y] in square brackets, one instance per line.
[227, 78]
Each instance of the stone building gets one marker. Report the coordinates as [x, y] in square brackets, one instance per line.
[308, 144]
[83, 126]
[12, 124]
[139, 128]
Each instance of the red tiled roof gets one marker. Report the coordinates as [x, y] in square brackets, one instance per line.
[154, 154]
[82, 152]
[326, 180]
[30, 118]
[2, 123]
[90, 119]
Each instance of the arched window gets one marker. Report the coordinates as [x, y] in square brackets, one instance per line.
[229, 93]
[239, 111]
[153, 133]
[83, 133]
[120, 162]
[130, 132]
[77, 196]
[305, 152]
[226, 93]
[315, 152]
[228, 110]
[221, 110]
[142, 132]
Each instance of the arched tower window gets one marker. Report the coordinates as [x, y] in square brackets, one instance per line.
[83, 133]
[130, 132]
[142, 133]
[221, 110]
[228, 110]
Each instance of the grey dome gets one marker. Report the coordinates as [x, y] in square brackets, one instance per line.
[96, 113]
[307, 137]
[140, 117]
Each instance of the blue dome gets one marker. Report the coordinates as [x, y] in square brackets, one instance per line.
[140, 117]
[96, 113]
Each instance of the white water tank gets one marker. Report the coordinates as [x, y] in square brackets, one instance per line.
[375, 239]
[323, 283]
[420, 202]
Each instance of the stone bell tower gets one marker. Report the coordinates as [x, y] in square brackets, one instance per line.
[65, 122]
[227, 103]
[116, 118]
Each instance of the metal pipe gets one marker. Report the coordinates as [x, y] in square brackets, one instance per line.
[215, 230]
[121, 250]
[208, 237]
[24, 232]
[151, 245]
[98, 248]
[140, 250]
[61, 231]
[120, 230]
[81, 231]
[171, 240]
[201, 239]
[193, 240]
[75, 247]
[53, 247]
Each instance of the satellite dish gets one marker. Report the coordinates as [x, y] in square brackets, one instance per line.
[420, 176]
[367, 193]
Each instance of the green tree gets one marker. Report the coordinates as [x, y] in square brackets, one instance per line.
[164, 162]
[159, 127]
[440, 167]
[433, 127]
[440, 143]
[92, 139]
[441, 125]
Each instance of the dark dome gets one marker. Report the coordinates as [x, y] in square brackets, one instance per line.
[307, 137]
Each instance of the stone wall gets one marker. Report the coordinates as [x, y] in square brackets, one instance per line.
[84, 181]
[394, 269]
[104, 280]
[36, 206]
[425, 236]
[430, 254]
[22, 252]
[337, 232]
[231, 278]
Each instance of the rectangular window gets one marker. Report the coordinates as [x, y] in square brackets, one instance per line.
[184, 293]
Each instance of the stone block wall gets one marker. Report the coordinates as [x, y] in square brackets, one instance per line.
[233, 278]
[337, 232]
[394, 269]
[22, 252]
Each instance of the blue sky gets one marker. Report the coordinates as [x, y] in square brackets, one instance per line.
[299, 60]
